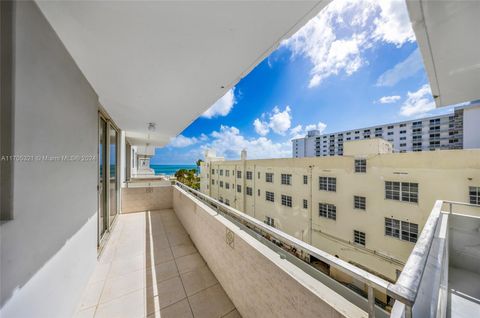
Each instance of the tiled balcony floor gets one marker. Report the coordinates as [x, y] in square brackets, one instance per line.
[150, 268]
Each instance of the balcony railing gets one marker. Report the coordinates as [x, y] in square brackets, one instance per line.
[412, 281]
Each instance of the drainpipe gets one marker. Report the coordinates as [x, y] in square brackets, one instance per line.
[311, 203]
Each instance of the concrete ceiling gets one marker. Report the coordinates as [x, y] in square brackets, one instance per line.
[167, 62]
[447, 33]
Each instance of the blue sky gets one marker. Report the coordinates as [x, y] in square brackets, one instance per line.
[354, 65]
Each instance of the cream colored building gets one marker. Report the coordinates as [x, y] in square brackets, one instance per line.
[366, 207]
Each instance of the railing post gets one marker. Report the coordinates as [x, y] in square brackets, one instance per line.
[408, 311]
[450, 204]
[371, 302]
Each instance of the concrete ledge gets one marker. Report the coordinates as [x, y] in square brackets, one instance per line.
[258, 281]
[146, 198]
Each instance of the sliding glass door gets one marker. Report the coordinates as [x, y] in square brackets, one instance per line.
[113, 186]
[102, 177]
[108, 176]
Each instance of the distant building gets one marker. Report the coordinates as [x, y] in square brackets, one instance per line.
[449, 131]
[368, 206]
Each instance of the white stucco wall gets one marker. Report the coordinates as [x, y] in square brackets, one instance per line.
[48, 250]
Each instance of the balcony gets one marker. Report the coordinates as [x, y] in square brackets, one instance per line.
[198, 257]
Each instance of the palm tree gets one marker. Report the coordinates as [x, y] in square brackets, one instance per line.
[188, 177]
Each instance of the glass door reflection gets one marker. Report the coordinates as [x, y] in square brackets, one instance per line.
[102, 185]
[113, 177]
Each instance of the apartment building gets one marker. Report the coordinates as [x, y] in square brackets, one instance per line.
[457, 130]
[366, 207]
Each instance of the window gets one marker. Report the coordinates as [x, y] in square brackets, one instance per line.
[403, 131]
[359, 202]
[403, 144]
[474, 193]
[239, 188]
[221, 172]
[227, 185]
[213, 181]
[258, 175]
[359, 237]
[305, 179]
[270, 196]
[249, 190]
[390, 133]
[268, 177]
[327, 210]
[287, 200]
[401, 191]
[360, 165]
[403, 125]
[221, 184]
[286, 179]
[270, 221]
[227, 173]
[213, 172]
[328, 184]
[305, 204]
[258, 192]
[403, 138]
[249, 175]
[403, 230]
[390, 127]
[220, 199]
[239, 174]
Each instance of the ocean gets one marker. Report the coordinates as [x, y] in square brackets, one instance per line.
[169, 170]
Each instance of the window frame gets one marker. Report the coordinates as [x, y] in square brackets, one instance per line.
[286, 179]
[286, 200]
[327, 184]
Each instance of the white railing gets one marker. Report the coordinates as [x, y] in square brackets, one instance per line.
[404, 291]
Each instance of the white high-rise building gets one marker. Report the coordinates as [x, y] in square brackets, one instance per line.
[448, 131]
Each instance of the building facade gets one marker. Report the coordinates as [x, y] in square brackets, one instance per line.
[449, 131]
[366, 207]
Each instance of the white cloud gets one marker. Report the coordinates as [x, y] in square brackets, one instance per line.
[223, 106]
[278, 121]
[181, 141]
[261, 127]
[299, 131]
[228, 142]
[334, 40]
[389, 99]
[408, 67]
[393, 24]
[418, 103]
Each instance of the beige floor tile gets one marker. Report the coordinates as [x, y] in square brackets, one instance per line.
[121, 285]
[233, 314]
[164, 294]
[189, 262]
[100, 273]
[178, 238]
[180, 309]
[158, 256]
[158, 243]
[91, 295]
[198, 280]
[128, 306]
[183, 249]
[127, 265]
[86, 313]
[161, 272]
[203, 306]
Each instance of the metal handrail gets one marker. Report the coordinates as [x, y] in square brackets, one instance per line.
[406, 288]
[372, 281]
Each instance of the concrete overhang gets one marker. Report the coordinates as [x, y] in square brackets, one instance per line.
[167, 62]
[447, 33]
